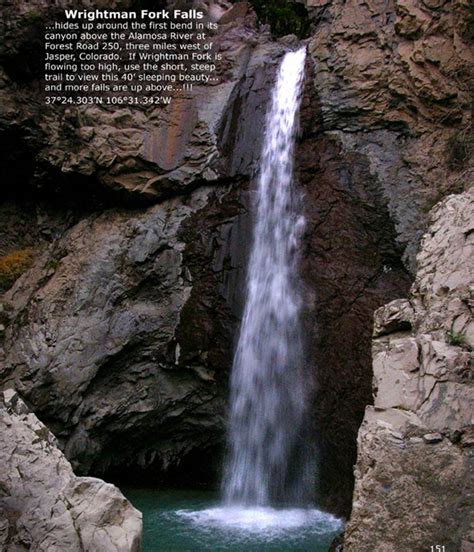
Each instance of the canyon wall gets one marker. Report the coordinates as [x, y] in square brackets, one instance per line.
[137, 219]
[415, 457]
[134, 227]
[386, 133]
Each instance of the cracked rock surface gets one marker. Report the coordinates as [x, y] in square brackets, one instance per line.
[415, 457]
[394, 83]
[129, 333]
[43, 505]
[122, 328]
[388, 97]
[142, 154]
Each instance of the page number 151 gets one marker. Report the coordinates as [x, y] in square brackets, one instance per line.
[438, 548]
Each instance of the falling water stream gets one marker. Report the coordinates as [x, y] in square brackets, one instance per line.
[269, 459]
[268, 480]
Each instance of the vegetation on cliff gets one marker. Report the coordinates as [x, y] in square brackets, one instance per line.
[283, 17]
[13, 265]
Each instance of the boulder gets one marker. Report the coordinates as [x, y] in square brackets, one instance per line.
[43, 505]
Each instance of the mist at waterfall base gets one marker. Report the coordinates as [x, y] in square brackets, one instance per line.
[269, 470]
[193, 521]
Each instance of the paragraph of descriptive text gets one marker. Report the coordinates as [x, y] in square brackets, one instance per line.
[128, 57]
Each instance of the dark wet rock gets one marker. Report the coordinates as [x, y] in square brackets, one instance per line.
[351, 265]
[390, 93]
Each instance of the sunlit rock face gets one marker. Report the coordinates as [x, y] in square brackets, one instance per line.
[44, 505]
[415, 444]
[122, 331]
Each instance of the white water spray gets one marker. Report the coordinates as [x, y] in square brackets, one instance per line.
[269, 461]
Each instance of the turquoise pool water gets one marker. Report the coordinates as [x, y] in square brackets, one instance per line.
[194, 521]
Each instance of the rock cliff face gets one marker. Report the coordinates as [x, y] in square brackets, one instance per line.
[137, 154]
[124, 326]
[43, 505]
[394, 81]
[351, 266]
[386, 134]
[112, 348]
[136, 223]
[415, 462]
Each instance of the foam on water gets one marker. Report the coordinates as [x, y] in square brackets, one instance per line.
[192, 521]
[267, 524]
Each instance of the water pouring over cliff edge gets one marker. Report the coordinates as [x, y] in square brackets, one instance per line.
[269, 460]
[269, 474]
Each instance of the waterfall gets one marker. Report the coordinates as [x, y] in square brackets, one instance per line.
[269, 456]
[269, 473]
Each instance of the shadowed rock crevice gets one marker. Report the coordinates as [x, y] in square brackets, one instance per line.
[34, 181]
[352, 264]
[199, 468]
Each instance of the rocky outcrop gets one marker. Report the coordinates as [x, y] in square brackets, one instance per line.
[394, 83]
[386, 133]
[43, 505]
[415, 457]
[144, 297]
[123, 329]
[141, 154]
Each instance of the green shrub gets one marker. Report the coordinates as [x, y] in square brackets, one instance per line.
[32, 18]
[456, 339]
[13, 265]
[284, 17]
